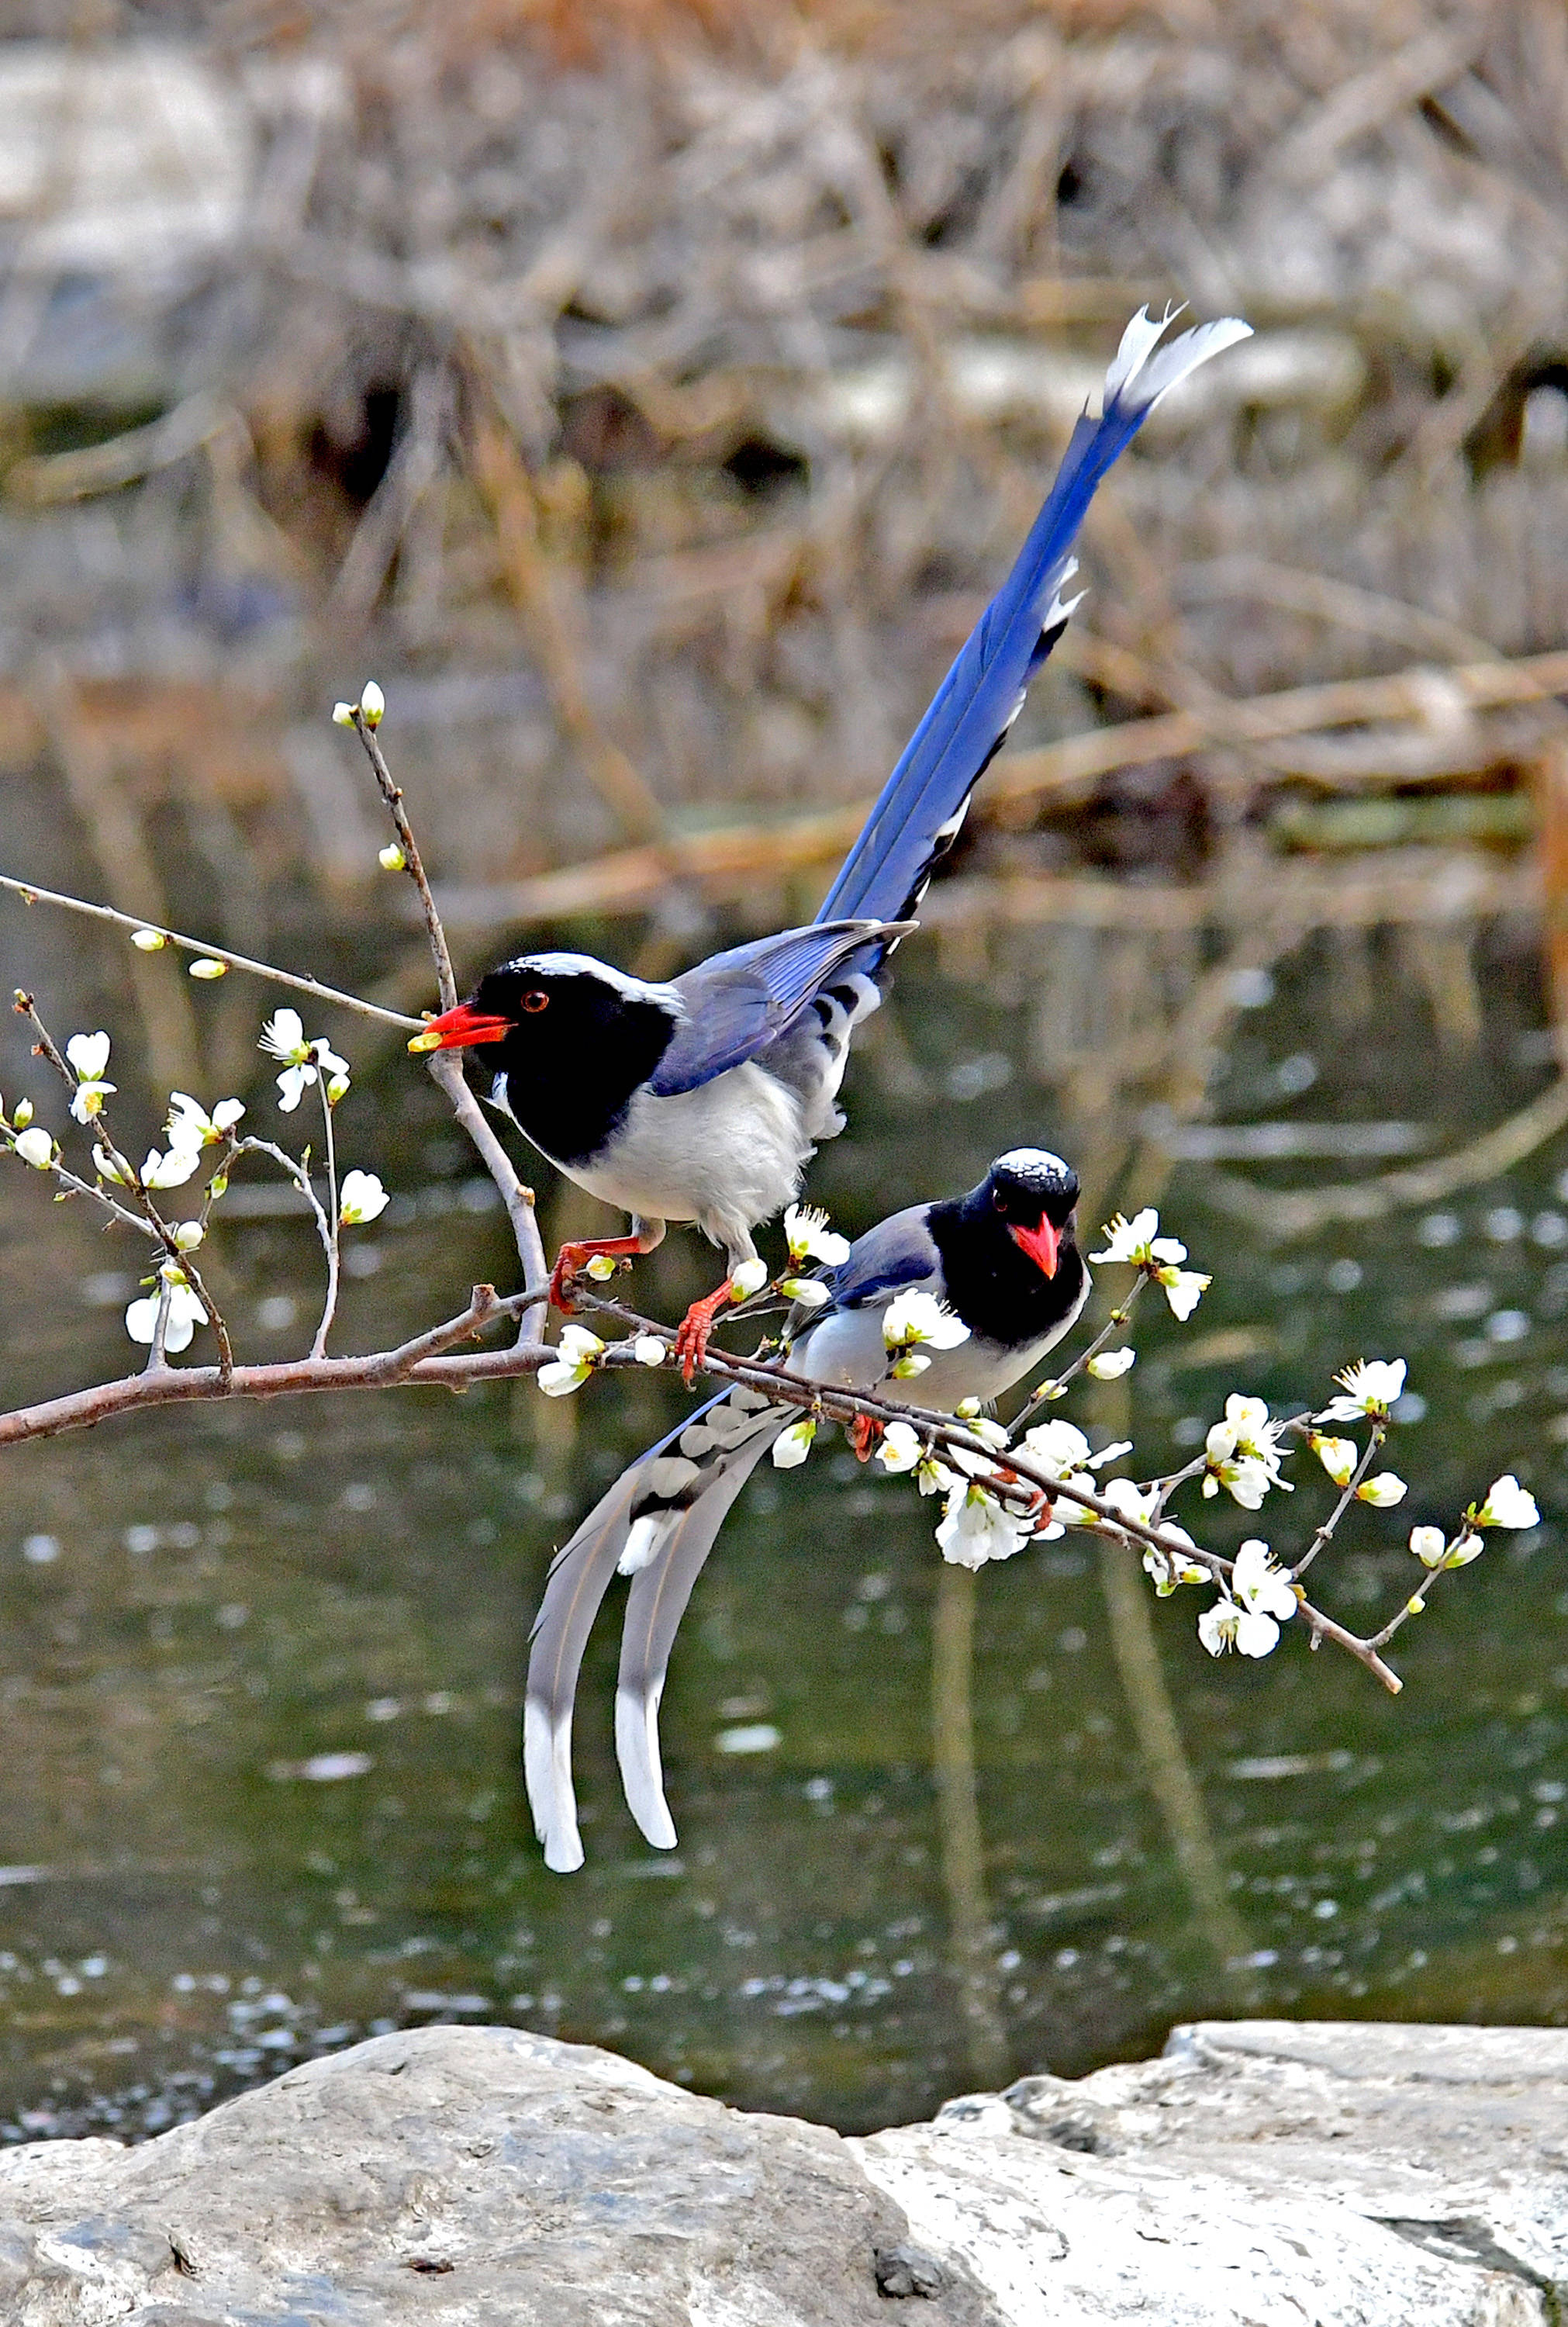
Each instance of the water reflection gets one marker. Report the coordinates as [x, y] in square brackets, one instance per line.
[261, 1668]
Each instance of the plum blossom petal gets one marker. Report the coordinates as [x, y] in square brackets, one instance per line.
[1184, 1288]
[1259, 1584]
[168, 1170]
[88, 1054]
[976, 1528]
[1338, 1456]
[1371, 1387]
[362, 1198]
[1110, 1365]
[1507, 1504]
[1428, 1544]
[791, 1447]
[809, 1238]
[911, 1318]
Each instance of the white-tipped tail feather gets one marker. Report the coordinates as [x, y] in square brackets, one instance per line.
[1139, 377]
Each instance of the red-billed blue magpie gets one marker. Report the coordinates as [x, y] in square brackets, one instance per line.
[1003, 1260]
[703, 1099]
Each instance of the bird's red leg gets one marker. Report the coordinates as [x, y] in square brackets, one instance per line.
[863, 1433]
[571, 1258]
[695, 1331]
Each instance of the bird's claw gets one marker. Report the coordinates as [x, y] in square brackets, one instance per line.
[695, 1331]
[863, 1433]
[571, 1259]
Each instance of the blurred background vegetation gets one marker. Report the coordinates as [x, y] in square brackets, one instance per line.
[649, 396]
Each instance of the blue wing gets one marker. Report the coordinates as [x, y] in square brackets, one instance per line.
[898, 1251]
[737, 1003]
[917, 818]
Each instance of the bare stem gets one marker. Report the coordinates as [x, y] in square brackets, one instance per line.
[445, 1066]
[392, 795]
[331, 1225]
[1347, 1496]
[31, 894]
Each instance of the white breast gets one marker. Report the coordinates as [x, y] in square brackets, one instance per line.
[726, 1155]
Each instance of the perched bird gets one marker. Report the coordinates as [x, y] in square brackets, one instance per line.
[1002, 1260]
[702, 1100]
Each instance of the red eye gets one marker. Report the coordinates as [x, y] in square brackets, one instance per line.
[535, 1001]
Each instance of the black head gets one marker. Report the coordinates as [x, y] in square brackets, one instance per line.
[571, 1038]
[1012, 1264]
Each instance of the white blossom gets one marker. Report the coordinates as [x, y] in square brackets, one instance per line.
[190, 1126]
[1184, 1288]
[1168, 1568]
[391, 858]
[362, 1199]
[809, 1238]
[188, 1235]
[372, 703]
[1507, 1504]
[601, 1266]
[1243, 1453]
[1139, 1241]
[88, 1054]
[905, 1369]
[791, 1447]
[573, 1363]
[808, 1292]
[1371, 1386]
[1110, 1365]
[207, 966]
[185, 1314]
[1057, 1446]
[648, 1349]
[748, 1278]
[1385, 1489]
[1228, 1624]
[1468, 1547]
[1260, 1584]
[1338, 1456]
[37, 1148]
[975, 1528]
[342, 715]
[22, 1115]
[283, 1036]
[170, 1170]
[903, 1449]
[107, 1168]
[149, 940]
[1428, 1544]
[1134, 1502]
[914, 1317]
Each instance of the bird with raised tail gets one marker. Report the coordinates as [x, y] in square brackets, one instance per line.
[1003, 1261]
[702, 1100]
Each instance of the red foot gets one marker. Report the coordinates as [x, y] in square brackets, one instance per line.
[863, 1433]
[695, 1331]
[571, 1258]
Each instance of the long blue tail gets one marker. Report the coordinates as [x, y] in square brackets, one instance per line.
[917, 818]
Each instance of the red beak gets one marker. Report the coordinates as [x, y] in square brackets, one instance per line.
[460, 1029]
[1041, 1243]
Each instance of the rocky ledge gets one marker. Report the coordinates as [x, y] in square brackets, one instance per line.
[1260, 2172]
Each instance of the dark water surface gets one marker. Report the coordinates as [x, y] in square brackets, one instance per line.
[260, 1669]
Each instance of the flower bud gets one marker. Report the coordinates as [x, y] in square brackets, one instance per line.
[188, 1235]
[648, 1349]
[37, 1148]
[1428, 1544]
[23, 1115]
[915, 1361]
[337, 1089]
[808, 1291]
[748, 1278]
[392, 859]
[149, 940]
[600, 1268]
[1468, 1547]
[205, 967]
[1112, 1364]
[372, 703]
[791, 1447]
[342, 715]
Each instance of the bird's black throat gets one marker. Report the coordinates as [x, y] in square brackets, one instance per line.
[573, 1064]
[1000, 1293]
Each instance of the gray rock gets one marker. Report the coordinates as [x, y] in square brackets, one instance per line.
[1346, 2176]
[1261, 2171]
[462, 2177]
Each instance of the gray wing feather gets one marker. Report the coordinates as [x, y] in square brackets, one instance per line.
[737, 1003]
[898, 1251]
[654, 1608]
[579, 1578]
